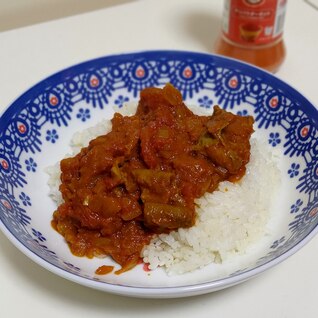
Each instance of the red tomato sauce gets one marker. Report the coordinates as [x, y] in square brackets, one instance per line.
[142, 177]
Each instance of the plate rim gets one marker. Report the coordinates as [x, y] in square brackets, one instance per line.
[310, 109]
[167, 291]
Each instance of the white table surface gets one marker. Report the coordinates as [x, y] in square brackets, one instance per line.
[29, 54]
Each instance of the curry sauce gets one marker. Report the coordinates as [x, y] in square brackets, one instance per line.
[143, 177]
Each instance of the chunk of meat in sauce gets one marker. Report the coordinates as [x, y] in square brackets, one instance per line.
[142, 178]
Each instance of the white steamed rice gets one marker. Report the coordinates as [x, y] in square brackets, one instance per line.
[228, 221]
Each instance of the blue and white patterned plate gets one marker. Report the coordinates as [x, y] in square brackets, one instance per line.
[36, 129]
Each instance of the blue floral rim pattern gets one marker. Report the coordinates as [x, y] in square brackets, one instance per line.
[36, 118]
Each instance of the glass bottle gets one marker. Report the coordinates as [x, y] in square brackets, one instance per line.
[252, 31]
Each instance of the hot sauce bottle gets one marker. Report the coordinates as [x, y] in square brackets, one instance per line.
[252, 31]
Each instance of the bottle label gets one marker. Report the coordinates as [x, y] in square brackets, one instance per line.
[253, 22]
